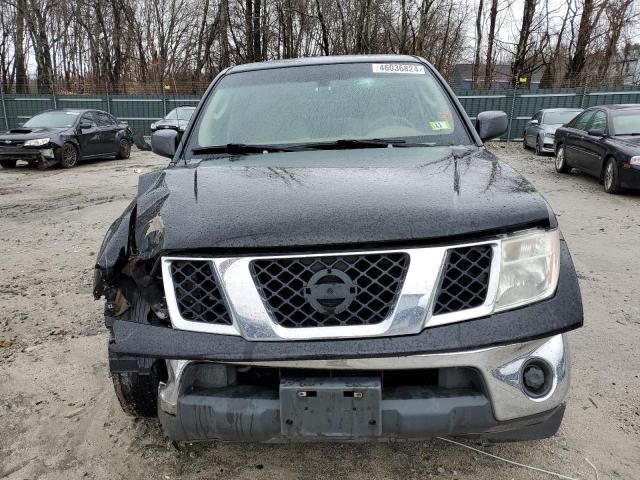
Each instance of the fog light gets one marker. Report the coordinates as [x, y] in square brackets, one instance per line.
[537, 378]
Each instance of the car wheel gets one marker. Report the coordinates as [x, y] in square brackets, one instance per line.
[561, 161]
[524, 142]
[68, 156]
[610, 178]
[8, 163]
[137, 392]
[538, 148]
[125, 149]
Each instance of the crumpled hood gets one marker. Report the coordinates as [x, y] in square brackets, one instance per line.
[429, 195]
[26, 133]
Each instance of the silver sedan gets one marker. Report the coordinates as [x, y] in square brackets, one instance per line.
[540, 130]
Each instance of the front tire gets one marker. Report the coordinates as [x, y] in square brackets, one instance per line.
[124, 151]
[538, 147]
[524, 142]
[137, 392]
[8, 163]
[611, 180]
[69, 156]
[561, 161]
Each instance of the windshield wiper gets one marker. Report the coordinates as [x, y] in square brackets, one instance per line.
[238, 149]
[348, 143]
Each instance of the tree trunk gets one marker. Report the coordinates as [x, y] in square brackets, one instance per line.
[22, 81]
[476, 61]
[488, 67]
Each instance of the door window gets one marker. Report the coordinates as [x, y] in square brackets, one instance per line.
[88, 118]
[580, 123]
[599, 121]
[103, 119]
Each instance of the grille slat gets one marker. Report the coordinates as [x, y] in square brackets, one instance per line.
[197, 294]
[465, 280]
[367, 288]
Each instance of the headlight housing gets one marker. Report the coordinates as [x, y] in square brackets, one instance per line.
[529, 268]
[635, 161]
[153, 126]
[549, 134]
[38, 142]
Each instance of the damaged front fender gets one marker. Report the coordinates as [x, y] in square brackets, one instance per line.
[137, 235]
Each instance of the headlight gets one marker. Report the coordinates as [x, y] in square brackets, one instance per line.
[549, 134]
[529, 269]
[635, 161]
[153, 126]
[38, 142]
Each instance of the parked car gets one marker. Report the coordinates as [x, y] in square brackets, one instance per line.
[604, 142]
[65, 137]
[333, 254]
[177, 119]
[540, 130]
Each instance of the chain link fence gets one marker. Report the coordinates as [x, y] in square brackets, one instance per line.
[146, 103]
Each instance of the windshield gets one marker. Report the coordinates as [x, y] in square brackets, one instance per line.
[180, 113]
[626, 122]
[559, 118]
[325, 103]
[52, 120]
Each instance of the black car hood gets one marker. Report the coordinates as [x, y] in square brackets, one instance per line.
[26, 133]
[430, 195]
[632, 141]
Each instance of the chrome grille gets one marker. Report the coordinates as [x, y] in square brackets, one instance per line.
[198, 296]
[465, 280]
[341, 290]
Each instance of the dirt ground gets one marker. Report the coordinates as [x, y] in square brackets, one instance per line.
[59, 418]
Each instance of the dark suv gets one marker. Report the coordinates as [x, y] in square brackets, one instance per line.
[333, 254]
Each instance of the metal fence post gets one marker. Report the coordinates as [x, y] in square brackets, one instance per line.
[4, 107]
[164, 101]
[53, 97]
[584, 91]
[513, 106]
[106, 91]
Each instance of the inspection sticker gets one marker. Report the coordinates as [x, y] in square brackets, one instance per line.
[441, 125]
[398, 68]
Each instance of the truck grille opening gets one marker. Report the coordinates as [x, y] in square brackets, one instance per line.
[465, 280]
[197, 293]
[342, 290]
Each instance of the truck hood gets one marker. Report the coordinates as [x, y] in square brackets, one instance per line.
[376, 196]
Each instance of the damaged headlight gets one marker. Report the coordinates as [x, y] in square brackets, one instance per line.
[38, 142]
[529, 269]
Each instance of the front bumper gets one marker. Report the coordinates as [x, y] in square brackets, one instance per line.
[43, 156]
[630, 177]
[496, 407]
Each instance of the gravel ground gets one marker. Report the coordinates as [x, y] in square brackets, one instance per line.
[59, 418]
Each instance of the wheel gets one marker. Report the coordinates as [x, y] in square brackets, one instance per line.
[538, 147]
[561, 162]
[524, 142]
[8, 163]
[138, 392]
[125, 149]
[610, 181]
[68, 156]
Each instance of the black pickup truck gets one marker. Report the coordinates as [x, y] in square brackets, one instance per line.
[332, 254]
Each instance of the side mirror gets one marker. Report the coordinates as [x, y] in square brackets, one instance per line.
[596, 132]
[491, 124]
[533, 122]
[164, 142]
[85, 125]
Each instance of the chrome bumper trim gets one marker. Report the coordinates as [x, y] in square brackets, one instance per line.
[498, 366]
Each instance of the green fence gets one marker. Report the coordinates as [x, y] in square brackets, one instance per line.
[141, 111]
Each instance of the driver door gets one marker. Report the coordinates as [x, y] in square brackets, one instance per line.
[88, 138]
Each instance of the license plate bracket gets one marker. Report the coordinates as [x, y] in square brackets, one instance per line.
[334, 407]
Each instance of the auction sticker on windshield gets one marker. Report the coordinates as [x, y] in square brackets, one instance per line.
[398, 68]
